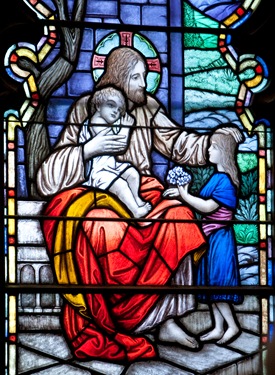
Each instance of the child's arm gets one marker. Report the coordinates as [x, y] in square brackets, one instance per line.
[199, 204]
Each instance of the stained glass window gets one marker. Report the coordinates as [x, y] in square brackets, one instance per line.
[138, 187]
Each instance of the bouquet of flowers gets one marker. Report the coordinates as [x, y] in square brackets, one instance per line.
[178, 176]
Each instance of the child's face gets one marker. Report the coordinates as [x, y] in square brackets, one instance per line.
[111, 109]
[215, 154]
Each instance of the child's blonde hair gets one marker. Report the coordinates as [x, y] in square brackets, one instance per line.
[103, 94]
[227, 144]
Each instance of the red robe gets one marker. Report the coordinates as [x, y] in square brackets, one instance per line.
[115, 253]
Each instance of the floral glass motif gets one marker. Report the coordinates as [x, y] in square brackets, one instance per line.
[196, 81]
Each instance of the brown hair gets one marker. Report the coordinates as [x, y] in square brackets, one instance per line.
[227, 145]
[118, 67]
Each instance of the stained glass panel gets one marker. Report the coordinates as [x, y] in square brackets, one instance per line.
[138, 188]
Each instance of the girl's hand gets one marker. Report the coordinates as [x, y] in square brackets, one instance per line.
[104, 143]
[171, 193]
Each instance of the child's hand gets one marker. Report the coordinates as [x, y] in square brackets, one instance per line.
[171, 193]
[183, 190]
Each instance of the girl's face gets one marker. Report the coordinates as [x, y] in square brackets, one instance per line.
[215, 154]
[111, 109]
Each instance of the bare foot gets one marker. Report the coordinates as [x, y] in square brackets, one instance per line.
[215, 334]
[171, 332]
[140, 202]
[229, 334]
[143, 210]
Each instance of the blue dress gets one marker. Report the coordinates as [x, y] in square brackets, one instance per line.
[219, 265]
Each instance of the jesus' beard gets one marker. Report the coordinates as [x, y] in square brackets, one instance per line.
[137, 97]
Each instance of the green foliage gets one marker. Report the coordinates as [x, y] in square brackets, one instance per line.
[193, 18]
[197, 60]
[214, 80]
[246, 233]
[247, 161]
[200, 175]
[249, 183]
[247, 209]
[193, 40]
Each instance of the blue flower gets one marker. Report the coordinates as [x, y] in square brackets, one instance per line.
[178, 176]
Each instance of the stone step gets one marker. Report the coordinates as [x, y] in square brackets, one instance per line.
[242, 357]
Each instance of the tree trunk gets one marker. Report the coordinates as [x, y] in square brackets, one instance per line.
[37, 140]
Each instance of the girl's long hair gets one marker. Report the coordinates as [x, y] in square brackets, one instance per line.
[227, 145]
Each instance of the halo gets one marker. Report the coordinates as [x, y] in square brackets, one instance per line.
[129, 39]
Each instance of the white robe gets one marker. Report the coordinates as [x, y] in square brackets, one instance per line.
[65, 167]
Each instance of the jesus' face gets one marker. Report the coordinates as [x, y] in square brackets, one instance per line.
[137, 84]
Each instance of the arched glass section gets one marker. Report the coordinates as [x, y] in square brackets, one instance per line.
[138, 188]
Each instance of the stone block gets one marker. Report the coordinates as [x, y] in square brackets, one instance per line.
[130, 14]
[154, 15]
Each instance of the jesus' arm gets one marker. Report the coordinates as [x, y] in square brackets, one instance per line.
[175, 142]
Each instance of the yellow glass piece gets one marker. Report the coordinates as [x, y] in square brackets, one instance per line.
[25, 52]
[11, 166]
[12, 314]
[12, 123]
[11, 222]
[262, 267]
[11, 206]
[44, 51]
[264, 316]
[262, 211]
[255, 81]
[32, 84]
[43, 10]
[12, 268]
[222, 36]
[246, 123]
[231, 19]
[11, 227]
[263, 232]
[262, 175]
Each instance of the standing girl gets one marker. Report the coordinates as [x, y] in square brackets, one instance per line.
[219, 265]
